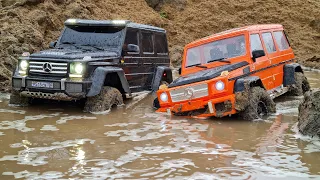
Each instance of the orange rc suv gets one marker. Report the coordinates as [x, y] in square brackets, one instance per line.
[239, 71]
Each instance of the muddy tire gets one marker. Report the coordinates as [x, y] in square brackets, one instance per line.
[16, 99]
[301, 85]
[108, 97]
[156, 104]
[258, 104]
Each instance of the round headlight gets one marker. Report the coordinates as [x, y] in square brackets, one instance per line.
[164, 97]
[24, 65]
[219, 86]
[78, 68]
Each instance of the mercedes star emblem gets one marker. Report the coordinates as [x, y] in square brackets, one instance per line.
[188, 92]
[47, 67]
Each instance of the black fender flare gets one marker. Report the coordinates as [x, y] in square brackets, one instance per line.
[288, 73]
[159, 75]
[99, 76]
[239, 85]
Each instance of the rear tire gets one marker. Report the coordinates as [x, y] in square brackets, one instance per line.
[108, 97]
[259, 104]
[301, 85]
[18, 100]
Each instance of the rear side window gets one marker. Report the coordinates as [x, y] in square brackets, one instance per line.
[268, 42]
[132, 37]
[161, 44]
[281, 40]
[147, 43]
[255, 42]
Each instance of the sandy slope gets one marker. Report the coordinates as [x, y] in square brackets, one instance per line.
[29, 25]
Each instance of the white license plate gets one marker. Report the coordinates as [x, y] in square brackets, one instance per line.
[41, 84]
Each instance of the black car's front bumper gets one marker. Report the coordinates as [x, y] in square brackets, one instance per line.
[63, 89]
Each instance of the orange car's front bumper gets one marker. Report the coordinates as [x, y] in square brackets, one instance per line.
[211, 104]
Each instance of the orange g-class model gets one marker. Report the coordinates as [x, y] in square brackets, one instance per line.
[236, 71]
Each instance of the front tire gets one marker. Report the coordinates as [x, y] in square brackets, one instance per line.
[18, 100]
[301, 85]
[258, 104]
[108, 97]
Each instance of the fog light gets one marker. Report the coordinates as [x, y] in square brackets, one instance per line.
[164, 97]
[219, 86]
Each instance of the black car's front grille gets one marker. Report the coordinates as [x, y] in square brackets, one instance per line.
[48, 68]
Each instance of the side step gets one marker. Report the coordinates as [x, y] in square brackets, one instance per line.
[278, 91]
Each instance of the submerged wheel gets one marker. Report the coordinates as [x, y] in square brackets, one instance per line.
[301, 85]
[156, 104]
[259, 104]
[108, 97]
[16, 99]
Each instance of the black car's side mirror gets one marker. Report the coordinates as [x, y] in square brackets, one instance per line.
[179, 71]
[53, 44]
[133, 48]
[257, 53]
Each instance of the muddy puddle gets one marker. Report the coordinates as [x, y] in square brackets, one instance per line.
[58, 141]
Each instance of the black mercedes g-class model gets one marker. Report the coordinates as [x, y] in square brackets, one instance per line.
[101, 61]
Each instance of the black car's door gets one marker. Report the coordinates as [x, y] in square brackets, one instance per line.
[131, 60]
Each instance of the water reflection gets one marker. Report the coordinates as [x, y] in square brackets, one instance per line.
[46, 141]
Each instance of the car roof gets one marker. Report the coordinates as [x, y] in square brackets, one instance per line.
[127, 23]
[241, 29]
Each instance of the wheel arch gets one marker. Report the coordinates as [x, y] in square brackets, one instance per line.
[288, 73]
[108, 76]
[159, 76]
[253, 81]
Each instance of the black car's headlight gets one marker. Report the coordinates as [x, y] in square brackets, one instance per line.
[77, 69]
[23, 67]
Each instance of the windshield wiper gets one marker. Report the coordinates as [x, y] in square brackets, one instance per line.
[220, 60]
[197, 65]
[72, 44]
[94, 46]
[202, 66]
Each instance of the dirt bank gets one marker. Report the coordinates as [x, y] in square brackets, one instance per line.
[29, 25]
[309, 114]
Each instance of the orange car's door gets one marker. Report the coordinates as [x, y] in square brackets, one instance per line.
[261, 64]
[272, 54]
[284, 54]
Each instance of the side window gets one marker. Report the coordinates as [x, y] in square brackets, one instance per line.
[255, 42]
[147, 42]
[281, 40]
[161, 44]
[132, 37]
[268, 42]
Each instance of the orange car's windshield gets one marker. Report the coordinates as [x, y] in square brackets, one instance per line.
[215, 51]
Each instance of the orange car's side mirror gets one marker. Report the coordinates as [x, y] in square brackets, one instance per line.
[257, 53]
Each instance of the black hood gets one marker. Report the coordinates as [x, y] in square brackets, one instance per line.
[206, 74]
[73, 54]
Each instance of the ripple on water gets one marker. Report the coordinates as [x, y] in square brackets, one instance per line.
[63, 120]
[37, 156]
[20, 125]
[49, 128]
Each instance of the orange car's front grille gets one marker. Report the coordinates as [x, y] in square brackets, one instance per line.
[190, 92]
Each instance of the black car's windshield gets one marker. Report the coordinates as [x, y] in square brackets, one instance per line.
[220, 50]
[92, 37]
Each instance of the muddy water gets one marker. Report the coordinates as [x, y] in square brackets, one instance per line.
[59, 141]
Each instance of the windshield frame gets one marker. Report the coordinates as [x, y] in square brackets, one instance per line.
[202, 59]
[118, 48]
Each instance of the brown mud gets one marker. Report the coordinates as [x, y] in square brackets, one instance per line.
[107, 98]
[309, 114]
[248, 101]
[29, 25]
